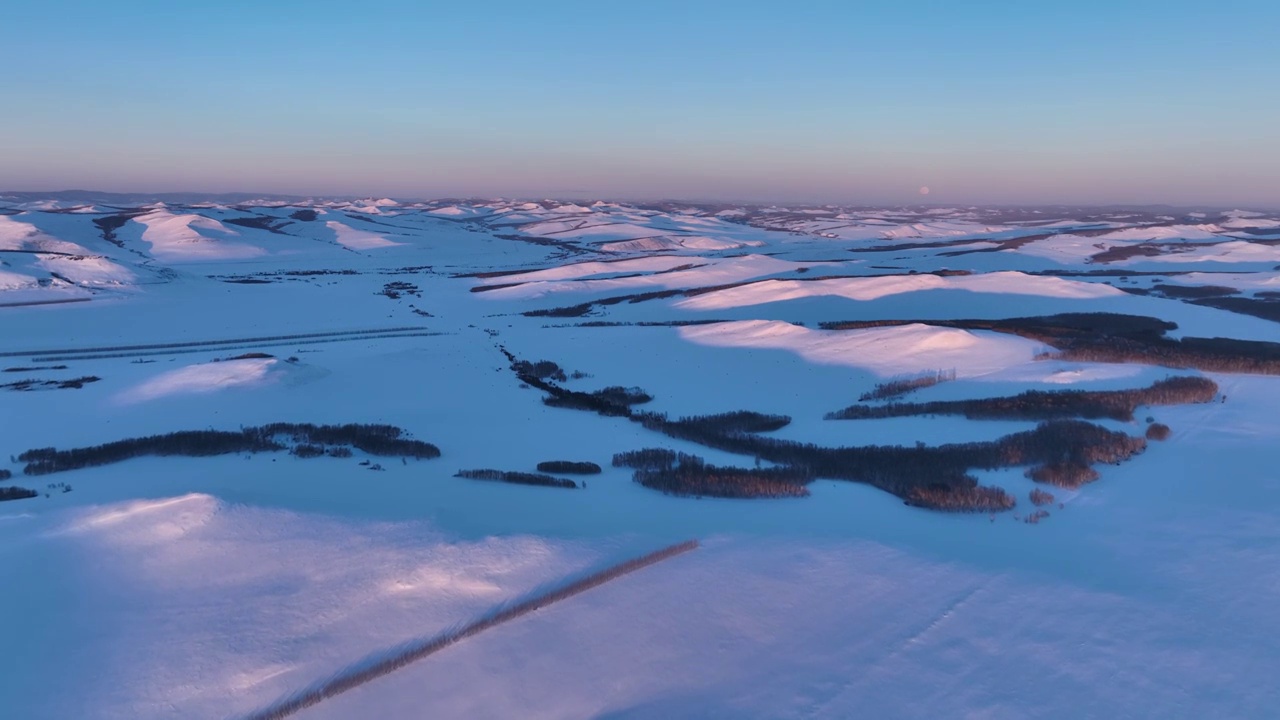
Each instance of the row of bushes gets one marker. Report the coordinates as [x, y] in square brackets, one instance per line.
[675, 473]
[384, 440]
[16, 493]
[615, 401]
[569, 467]
[900, 387]
[518, 478]
[1040, 497]
[71, 384]
[1046, 405]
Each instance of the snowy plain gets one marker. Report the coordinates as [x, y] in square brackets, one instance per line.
[209, 587]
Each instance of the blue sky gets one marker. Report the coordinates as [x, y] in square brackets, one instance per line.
[983, 102]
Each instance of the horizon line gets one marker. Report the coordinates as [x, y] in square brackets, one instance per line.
[574, 198]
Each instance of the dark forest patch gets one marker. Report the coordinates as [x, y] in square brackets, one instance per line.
[382, 440]
[517, 478]
[689, 476]
[1047, 405]
[569, 467]
[935, 477]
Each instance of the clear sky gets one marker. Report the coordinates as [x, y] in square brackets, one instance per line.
[860, 102]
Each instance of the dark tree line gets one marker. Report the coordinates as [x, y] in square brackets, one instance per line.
[307, 450]
[1259, 306]
[1048, 405]
[652, 459]
[934, 477]
[16, 493]
[383, 440]
[517, 478]
[691, 477]
[32, 384]
[569, 467]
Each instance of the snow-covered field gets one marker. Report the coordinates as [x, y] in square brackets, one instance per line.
[201, 587]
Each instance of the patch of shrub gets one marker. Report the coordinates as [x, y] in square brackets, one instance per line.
[518, 478]
[385, 440]
[339, 452]
[1046, 405]
[1035, 517]
[613, 401]
[5, 474]
[934, 477]
[16, 493]
[689, 476]
[1067, 474]
[1158, 431]
[1040, 497]
[72, 384]
[542, 369]
[977, 498]
[307, 450]
[900, 387]
[1260, 306]
[569, 467]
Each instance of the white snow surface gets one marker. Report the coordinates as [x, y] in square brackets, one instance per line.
[873, 288]
[172, 586]
[358, 239]
[202, 378]
[192, 238]
[884, 351]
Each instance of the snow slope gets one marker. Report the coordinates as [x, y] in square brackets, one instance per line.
[873, 288]
[884, 351]
[192, 238]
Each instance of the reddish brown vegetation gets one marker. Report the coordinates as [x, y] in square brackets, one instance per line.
[1040, 497]
[1066, 474]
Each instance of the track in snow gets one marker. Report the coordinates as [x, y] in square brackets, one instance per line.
[125, 350]
[357, 675]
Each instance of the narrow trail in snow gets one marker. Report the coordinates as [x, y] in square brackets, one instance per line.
[278, 339]
[363, 672]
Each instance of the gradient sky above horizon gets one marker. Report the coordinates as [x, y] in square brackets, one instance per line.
[857, 102]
